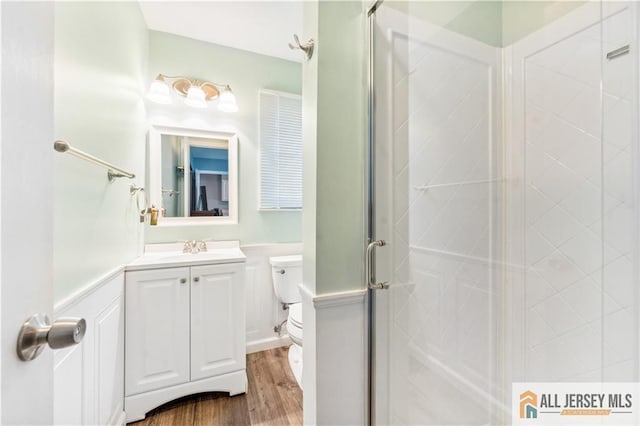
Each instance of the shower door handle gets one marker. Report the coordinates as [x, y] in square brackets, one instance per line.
[368, 266]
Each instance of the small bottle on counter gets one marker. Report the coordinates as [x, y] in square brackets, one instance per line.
[154, 216]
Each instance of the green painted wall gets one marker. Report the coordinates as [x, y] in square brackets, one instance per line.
[341, 139]
[521, 18]
[310, 140]
[335, 106]
[100, 78]
[496, 23]
[481, 20]
[247, 73]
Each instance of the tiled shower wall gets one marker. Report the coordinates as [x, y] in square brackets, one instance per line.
[578, 208]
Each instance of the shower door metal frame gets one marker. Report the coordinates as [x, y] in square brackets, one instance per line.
[370, 191]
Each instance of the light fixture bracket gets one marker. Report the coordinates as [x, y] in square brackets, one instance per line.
[185, 87]
[182, 86]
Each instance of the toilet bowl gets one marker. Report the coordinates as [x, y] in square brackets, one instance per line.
[294, 323]
[294, 328]
[286, 272]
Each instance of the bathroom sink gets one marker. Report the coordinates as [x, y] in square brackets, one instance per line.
[171, 255]
[201, 256]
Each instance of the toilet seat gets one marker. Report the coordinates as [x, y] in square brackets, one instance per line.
[294, 323]
[295, 314]
[295, 334]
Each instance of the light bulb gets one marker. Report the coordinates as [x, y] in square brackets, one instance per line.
[159, 91]
[196, 97]
[227, 102]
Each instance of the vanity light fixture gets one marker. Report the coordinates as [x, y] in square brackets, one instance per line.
[197, 93]
[227, 102]
[159, 91]
[196, 97]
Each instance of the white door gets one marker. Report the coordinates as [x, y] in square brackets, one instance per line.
[217, 320]
[26, 204]
[157, 329]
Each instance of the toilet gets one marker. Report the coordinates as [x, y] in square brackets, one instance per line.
[286, 272]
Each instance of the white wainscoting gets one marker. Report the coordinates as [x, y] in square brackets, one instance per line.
[89, 377]
[335, 357]
[263, 309]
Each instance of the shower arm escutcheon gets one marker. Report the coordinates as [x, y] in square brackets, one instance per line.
[368, 266]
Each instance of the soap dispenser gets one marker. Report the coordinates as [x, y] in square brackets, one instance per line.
[154, 216]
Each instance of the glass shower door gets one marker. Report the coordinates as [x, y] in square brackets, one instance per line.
[502, 183]
[437, 202]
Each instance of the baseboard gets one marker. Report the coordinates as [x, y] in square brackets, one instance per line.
[119, 419]
[268, 343]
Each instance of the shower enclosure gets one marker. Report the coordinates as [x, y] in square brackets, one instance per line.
[503, 170]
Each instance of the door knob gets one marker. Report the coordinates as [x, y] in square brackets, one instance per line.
[38, 331]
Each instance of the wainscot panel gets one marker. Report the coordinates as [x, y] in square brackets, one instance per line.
[88, 378]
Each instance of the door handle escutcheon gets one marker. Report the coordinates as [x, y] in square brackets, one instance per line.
[368, 266]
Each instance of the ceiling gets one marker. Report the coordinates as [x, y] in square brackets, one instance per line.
[257, 26]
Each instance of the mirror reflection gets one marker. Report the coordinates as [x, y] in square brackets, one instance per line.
[195, 176]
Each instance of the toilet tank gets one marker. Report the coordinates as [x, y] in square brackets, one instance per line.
[286, 273]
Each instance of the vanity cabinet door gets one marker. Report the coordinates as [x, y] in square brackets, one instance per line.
[217, 320]
[157, 329]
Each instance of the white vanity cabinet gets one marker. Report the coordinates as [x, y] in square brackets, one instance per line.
[184, 334]
[218, 343]
[156, 329]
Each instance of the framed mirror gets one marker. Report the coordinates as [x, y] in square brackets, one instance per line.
[193, 175]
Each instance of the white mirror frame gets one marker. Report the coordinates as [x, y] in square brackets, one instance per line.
[155, 174]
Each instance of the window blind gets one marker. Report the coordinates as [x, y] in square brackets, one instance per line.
[280, 151]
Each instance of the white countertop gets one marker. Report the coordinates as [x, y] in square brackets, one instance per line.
[171, 256]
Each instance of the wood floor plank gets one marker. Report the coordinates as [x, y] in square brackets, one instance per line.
[265, 404]
[273, 399]
[289, 391]
[221, 410]
[180, 412]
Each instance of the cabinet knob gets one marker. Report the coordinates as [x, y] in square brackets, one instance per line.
[183, 280]
[196, 279]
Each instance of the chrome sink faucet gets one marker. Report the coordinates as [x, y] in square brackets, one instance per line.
[194, 246]
[188, 247]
